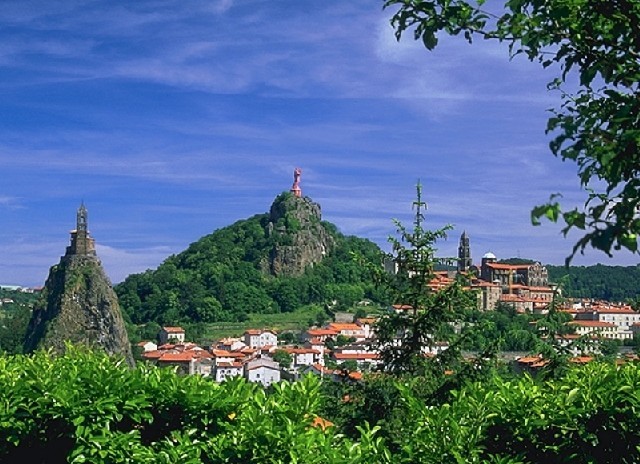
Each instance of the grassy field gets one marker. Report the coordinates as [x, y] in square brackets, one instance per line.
[295, 321]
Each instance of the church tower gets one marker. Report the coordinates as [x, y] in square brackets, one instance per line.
[81, 242]
[464, 254]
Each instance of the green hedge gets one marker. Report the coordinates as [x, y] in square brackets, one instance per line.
[589, 416]
[85, 408]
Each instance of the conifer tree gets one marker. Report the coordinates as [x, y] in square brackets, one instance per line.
[422, 336]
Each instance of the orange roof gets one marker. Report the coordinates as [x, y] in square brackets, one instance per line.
[153, 354]
[508, 267]
[176, 357]
[356, 356]
[258, 331]
[344, 326]
[173, 329]
[402, 307]
[320, 332]
[614, 309]
[230, 364]
[484, 283]
[222, 353]
[541, 289]
[581, 359]
[592, 324]
[321, 368]
[529, 359]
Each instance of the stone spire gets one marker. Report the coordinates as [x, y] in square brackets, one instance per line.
[464, 253]
[81, 242]
[295, 189]
[78, 304]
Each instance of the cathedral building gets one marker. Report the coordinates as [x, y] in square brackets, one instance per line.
[525, 286]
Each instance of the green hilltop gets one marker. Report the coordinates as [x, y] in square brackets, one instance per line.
[269, 263]
[288, 258]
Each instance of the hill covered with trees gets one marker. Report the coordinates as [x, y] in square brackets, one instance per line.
[279, 261]
[269, 263]
[613, 283]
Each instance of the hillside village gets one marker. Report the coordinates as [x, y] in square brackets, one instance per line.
[253, 355]
[350, 346]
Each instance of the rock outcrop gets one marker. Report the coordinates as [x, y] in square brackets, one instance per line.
[78, 304]
[300, 239]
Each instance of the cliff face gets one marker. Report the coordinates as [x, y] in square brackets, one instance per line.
[78, 305]
[300, 238]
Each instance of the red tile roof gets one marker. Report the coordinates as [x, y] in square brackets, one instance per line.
[344, 326]
[173, 329]
[342, 356]
[321, 332]
[592, 324]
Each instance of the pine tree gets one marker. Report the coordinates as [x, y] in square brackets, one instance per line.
[423, 336]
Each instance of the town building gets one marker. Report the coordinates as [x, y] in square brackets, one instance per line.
[262, 370]
[171, 335]
[256, 338]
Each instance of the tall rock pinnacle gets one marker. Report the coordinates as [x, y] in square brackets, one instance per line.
[295, 225]
[78, 304]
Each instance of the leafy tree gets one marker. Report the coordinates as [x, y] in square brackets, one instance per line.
[360, 313]
[342, 340]
[553, 347]
[288, 338]
[513, 331]
[283, 358]
[596, 125]
[13, 327]
[350, 365]
[95, 409]
[609, 348]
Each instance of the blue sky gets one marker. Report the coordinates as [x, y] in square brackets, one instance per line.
[173, 118]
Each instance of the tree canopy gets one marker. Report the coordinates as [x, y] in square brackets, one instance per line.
[597, 124]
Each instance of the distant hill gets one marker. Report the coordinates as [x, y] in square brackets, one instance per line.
[612, 283]
[269, 263]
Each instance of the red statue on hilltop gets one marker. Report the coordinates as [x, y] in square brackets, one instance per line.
[295, 189]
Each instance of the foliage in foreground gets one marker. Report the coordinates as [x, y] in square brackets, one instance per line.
[85, 408]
